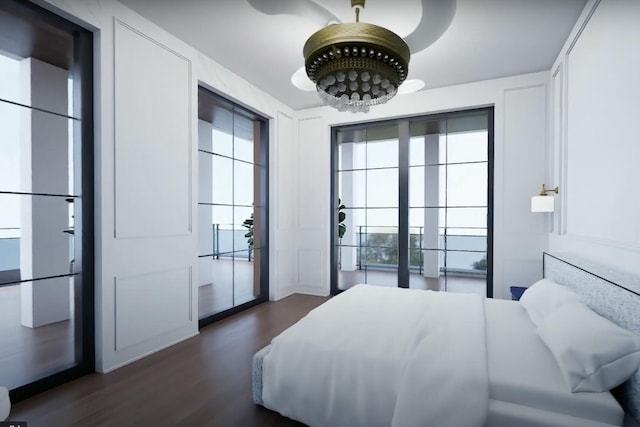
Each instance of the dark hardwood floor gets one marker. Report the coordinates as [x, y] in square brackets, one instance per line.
[204, 381]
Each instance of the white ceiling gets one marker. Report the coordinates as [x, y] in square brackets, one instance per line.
[487, 38]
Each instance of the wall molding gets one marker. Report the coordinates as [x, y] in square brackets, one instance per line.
[119, 23]
[606, 242]
[118, 284]
[559, 145]
[565, 113]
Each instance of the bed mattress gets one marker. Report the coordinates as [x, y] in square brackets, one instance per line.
[526, 387]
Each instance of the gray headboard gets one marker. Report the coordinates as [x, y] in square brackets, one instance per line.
[610, 293]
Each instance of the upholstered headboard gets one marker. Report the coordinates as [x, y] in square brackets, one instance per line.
[610, 293]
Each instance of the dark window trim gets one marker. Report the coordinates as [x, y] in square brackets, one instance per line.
[263, 170]
[334, 251]
[84, 323]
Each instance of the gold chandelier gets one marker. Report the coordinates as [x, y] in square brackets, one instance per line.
[355, 65]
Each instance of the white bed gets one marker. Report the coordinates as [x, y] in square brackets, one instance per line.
[378, 356]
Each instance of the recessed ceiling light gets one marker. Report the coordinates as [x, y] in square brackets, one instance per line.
[410, 86]
[301, 81]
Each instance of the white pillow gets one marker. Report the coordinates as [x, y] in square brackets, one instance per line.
[545, 296]
[594, 354]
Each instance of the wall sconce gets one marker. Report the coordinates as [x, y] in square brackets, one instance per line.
[543, 203]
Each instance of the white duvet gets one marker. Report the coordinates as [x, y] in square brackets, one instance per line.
[376, 356]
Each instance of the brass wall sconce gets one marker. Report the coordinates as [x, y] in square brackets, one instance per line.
[542, 202]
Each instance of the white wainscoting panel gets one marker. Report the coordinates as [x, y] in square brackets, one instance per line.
[603, 144]
[312, 275]
[150, 305]
[287, 267]
[315, 152]
[558, 147]
[153, 118]
[286, 172]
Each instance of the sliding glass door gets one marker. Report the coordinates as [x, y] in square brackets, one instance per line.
[413, 199]
[233, 222]
[46, 200]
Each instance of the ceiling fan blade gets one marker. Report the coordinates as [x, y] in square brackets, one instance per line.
[436, 18]
[307, 9]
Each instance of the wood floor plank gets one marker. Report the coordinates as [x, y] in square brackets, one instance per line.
[203, 381]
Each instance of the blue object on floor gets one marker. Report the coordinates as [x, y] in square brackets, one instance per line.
[516, 292]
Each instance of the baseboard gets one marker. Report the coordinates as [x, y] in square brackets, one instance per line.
[311, 291]
[149, 353]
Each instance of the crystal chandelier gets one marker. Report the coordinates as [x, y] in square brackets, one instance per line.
[356, 65]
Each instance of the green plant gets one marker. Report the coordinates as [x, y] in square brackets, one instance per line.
[248, 224]
[480, 264]
[342, 228]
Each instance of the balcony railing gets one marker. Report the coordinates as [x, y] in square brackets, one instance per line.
[458, 253]
[230, 242]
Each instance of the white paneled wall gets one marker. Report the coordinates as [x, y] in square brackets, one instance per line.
[596, 143]
[313, 200]
[284, 208]
[147, 184]
[571, 127]
[520, 140]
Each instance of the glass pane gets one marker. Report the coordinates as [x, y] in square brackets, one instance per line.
[384, 218]
[459, 240]
[28, 353]
[215, 293]
[381, 265]
[36, 151]
[426, 150]
[205, 177]
[427, 186]
[222, 226]
[459, 261]
[352, 155]
[382, 154]
[466, 217]
[206, 230]
[243, 180]
[352, 188]
[222, 142]
[467, 185]
[382, 188]
[349, 256]
[259, 215]
[241, 242]
[348, 278]
[418, 280]
[51, 84]
[243, 138]
[40, 232]
[428, 224]
[467, 147]
[222, 173]
[245, 282]
[10, 79]
[243, 149]
[416, 151]
[382, 146]
[378, 237]
[416, 186]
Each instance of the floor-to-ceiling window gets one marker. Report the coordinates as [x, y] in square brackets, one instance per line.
[46, 199]
[233, 222]
[413, 203]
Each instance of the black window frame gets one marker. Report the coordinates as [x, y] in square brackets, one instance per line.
[84, 283]
[263, 202]
[403, 193]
